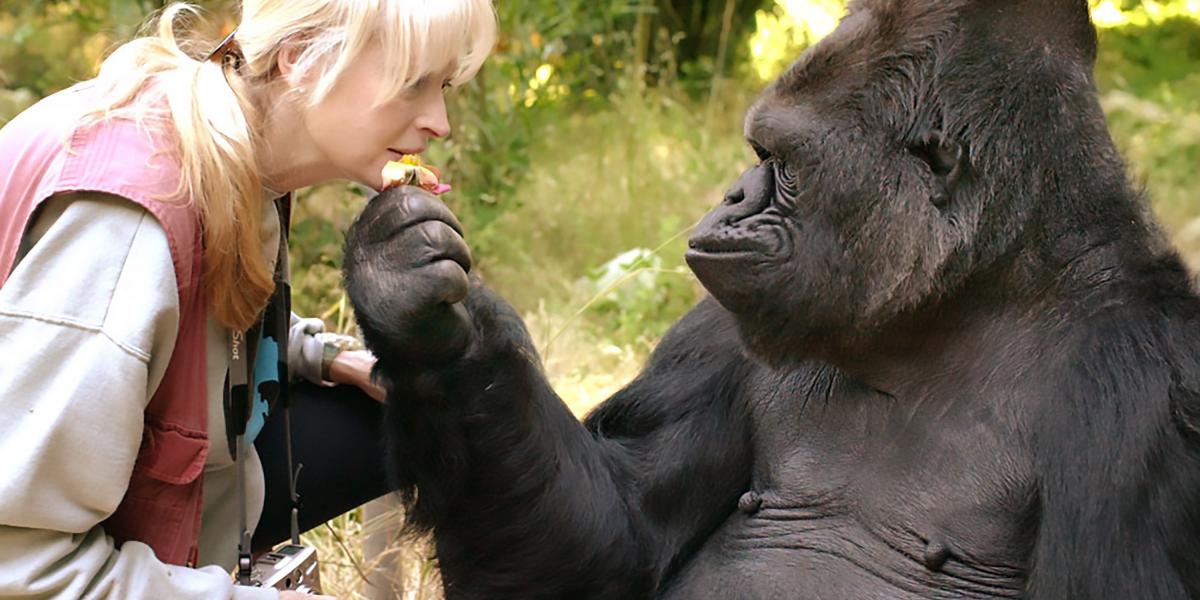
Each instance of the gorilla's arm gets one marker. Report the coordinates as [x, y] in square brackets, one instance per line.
[525, 501]
[1118, 477]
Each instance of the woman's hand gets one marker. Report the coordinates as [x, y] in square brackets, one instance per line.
[353, 367]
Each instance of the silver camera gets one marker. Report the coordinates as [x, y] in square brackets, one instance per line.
[288, 567]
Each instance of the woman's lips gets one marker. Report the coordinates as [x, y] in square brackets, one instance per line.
[401, 153]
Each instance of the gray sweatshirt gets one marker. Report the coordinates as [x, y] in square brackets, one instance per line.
[88, 320]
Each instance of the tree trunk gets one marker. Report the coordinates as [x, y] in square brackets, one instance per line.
[722, 51]
[641, 38]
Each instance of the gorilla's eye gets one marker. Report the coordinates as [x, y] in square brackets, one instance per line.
[760, 152]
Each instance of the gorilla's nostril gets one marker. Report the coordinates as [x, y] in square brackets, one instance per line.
[734, 197]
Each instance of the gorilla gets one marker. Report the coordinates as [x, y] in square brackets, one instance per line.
[947, 353]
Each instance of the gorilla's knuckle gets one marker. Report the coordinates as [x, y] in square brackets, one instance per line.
[427, 234]
[448, 270]
[453, 283]
[438, 236]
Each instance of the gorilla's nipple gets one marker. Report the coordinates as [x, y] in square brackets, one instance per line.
[749, 503]
[937, 552]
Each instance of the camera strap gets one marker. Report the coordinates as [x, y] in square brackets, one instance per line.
[241, 373]
[247, 391]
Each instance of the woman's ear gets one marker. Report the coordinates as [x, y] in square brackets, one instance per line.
[285, 62]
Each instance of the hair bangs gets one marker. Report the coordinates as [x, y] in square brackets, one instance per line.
[442, 39]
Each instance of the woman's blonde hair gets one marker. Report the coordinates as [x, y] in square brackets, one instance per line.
[210, 109]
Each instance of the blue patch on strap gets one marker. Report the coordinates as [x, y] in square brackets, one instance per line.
[266, 386]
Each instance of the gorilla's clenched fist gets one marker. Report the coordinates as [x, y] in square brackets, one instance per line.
[406, 269]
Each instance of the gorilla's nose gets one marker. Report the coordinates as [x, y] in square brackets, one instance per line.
[739, 204]
[735, 195]
[749, 196]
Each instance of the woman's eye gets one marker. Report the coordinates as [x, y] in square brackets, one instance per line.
[414, 89]
[425, 85]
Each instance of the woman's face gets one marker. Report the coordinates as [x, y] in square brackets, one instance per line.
[357, 138]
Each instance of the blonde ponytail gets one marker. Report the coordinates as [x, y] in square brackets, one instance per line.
[210, 117]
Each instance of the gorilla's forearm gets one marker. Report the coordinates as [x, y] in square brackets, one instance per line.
[512, 486]
[516, 490]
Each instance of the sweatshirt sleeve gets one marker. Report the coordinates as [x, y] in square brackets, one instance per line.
[305, 349]
[88, 320]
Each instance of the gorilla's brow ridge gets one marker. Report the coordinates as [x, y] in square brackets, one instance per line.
[762, 127]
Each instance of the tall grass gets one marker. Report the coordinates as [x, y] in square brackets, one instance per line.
[631, 175]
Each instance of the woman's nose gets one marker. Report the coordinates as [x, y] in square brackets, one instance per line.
[434, 121]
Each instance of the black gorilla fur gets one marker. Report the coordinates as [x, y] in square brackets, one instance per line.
[948, 354]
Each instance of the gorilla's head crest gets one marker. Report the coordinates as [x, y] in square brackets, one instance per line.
[918, 147]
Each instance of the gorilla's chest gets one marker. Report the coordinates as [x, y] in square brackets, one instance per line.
[856, 494]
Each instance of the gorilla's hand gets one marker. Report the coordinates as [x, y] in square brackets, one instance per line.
[406, 271]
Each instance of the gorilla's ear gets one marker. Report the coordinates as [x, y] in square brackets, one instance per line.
[948, 160]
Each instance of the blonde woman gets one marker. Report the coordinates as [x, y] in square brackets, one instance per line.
[141, 214]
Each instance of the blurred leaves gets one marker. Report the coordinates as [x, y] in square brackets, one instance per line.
[783, 30]
[1149, 78]
[554, 59]
[50, 44]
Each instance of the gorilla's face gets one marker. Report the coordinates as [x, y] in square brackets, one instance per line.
[871, 194]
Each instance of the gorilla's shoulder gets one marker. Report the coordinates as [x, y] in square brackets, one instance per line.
[705, 332]
[1141, 330]
[700, 366]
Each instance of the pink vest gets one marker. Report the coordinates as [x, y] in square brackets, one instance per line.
[162, 505]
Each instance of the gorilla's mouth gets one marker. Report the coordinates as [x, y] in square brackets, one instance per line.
[726, 248]
[729, 267]
[763, 243]
[729, 263]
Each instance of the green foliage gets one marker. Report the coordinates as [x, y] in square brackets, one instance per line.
[554, 59]
[636, 297]
[603, 182]
[320, 218]
[50, 44]
[786, 29]
[1149, 76]
[44, 52]
[549, 51]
